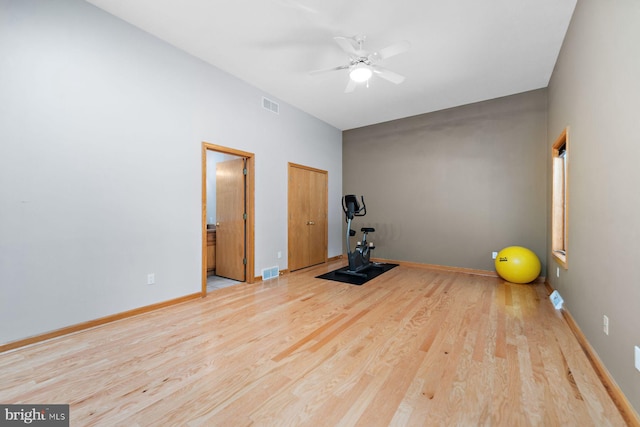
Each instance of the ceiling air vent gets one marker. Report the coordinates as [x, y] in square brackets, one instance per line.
[270, 105]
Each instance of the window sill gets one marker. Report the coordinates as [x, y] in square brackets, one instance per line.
[561, 258]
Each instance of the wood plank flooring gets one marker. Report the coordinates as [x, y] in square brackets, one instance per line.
[413, 347]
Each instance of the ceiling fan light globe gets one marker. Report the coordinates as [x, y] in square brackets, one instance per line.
[360, 73]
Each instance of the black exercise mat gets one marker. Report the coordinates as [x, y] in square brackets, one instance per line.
[355, 280]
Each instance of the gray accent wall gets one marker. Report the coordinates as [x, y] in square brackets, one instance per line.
[595, 91]
[101, 131]
[450, 187]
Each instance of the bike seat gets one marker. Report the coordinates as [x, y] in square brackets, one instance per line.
[367, 229]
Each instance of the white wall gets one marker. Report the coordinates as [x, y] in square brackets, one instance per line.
[101, 127]
[213, 158]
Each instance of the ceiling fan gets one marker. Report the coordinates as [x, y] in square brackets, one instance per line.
[363, 65]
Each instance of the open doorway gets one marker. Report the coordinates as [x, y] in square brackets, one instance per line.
[227, 215]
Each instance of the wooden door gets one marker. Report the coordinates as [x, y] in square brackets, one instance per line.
[230, 219]
[318, 218]
[307, 216]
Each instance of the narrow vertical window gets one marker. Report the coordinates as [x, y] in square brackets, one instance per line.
[559, 201]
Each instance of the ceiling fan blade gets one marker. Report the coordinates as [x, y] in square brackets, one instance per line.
[351, 86]
[392, 50]
[346, 45]
[327, 70]
[388, 75]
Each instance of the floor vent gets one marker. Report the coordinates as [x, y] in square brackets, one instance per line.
[270, 273]
[556, 300]
[270, 105]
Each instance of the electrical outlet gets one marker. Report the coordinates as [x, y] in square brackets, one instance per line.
[605, 324]
[151, 279]
[494, 255]
[638, 358]
[279, 254]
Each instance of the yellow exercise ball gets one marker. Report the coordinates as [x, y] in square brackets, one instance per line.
[516, 264]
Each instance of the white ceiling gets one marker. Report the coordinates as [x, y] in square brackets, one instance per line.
[462, 51]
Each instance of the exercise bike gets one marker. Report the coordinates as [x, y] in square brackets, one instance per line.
[358, 259]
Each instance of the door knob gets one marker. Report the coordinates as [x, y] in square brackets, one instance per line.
[311, 223]
[217, 224]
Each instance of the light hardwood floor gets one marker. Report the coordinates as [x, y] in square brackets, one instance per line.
[411, 347]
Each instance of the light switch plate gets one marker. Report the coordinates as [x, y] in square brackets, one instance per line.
[638, 358]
